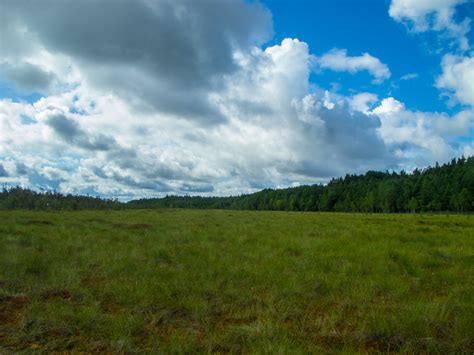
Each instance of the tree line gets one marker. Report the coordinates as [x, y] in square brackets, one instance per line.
[449, 187]
[21, 198]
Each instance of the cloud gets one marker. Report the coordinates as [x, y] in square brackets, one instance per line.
[409, 76]
[437, 15]
[3, 172]
[388, 106]
[52, 173]
[151, 98]
[338, 60]
[422, 136]
[70, 131]
[166, 56]
[27, 77]
[21, 168]
[363, 101]
[458, 77]
[278, 132]
[469, 150]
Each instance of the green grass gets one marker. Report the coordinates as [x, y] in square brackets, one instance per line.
[228, 281]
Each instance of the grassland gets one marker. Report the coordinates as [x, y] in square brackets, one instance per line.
[227, 281]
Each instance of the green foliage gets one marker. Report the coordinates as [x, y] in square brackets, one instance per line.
[21, 198]
[443, 188]
[198, 281]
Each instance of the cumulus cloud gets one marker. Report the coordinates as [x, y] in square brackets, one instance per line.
[363, 101]
[158, 97]
[422, 136]
[437, 15]
[167, 55]
[338, 60]
[278, 133]
[458, 77]
[389, 106]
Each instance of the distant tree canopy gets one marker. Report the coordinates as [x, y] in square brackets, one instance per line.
[441, 188]
[21, 198]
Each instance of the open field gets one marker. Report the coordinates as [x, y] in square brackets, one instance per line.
[228, 281]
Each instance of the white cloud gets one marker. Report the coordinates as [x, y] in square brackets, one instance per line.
[338, 60]
[147, 52]
[363, 101]
[437, 15]
[458, 77]
[100, 131]
[277, 133]
[288, 72]
[388, 106]
[469, 150]
[422, 137]
[409, 76]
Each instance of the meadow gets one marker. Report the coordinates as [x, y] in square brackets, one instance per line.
[235, 281]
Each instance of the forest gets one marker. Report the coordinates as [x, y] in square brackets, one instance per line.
[22, 198]
[449, 187]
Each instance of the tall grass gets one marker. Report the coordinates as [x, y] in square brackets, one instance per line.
[231, 281]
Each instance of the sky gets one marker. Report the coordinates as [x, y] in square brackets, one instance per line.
[145, 98]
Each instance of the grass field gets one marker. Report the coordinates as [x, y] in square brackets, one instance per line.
[228, 281]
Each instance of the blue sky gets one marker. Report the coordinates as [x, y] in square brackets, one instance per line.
[366, 26]
[139, 98]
